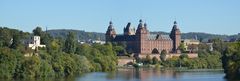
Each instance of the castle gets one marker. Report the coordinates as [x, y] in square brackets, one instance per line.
[142, 42]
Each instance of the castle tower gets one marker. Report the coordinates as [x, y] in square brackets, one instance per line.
[128, 30]
[110, 33]
[175, 35]
[141, 36]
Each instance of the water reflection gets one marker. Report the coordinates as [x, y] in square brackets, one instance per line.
[146, 74]
[143, 74]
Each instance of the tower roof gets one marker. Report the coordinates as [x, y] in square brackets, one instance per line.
[145, 24]
[140, 25]
[110, 25]
[140, 21]
[110, 22]
[175, 25]
[175, 22]
[128, 25]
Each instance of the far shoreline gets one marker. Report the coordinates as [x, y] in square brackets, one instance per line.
[173, 68]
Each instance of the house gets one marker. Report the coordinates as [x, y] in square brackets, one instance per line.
[191, 45]
[34, 42]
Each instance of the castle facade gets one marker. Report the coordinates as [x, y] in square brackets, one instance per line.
[142, 42]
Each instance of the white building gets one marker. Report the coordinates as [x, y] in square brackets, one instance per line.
[98, 41]
[35, 42]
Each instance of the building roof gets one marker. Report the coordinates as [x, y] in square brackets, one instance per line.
[190, 40]
[125, 38]
[158, 36]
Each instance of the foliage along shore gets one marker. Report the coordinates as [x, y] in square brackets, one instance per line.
[60, 58]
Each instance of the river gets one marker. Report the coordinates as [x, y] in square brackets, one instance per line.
[146, 74]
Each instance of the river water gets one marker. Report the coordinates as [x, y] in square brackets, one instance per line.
[146, 74]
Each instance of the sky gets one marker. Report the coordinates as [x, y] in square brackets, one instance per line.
[209, 16]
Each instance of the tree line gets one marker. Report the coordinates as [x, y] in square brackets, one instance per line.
[61, 57]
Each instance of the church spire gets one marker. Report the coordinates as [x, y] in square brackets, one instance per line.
[175, 35]
[175, 27]
[175, 23]
[110, 25]
[110, 33]
[140, 21]
[140, 25]
[145, 24]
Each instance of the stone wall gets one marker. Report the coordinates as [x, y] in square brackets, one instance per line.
[190, 55]
[125, 60]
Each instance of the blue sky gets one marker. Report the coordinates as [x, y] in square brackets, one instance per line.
[210, 16]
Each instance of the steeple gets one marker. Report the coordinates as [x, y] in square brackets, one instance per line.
[110, 22]
[142, 28]
[128, 25]
[175, 25]
[128, 30]
[175, 35]
[110, 25]
[140, 25]
[145, 25]
[140, 20]
[110, 33]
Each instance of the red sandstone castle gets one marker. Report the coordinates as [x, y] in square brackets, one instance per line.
[142, 42]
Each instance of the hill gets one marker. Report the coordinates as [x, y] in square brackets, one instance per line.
[83, 35]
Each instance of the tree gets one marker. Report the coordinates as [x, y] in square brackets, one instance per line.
[70, 43]
[231, 61]
[16, 41]
[154, 60]
[163, 55]
[182, 47]
[183, 56]
[37, 31]
[148, 59]
[54, 46]
[5, 37]
[8, 63]
[29, 67]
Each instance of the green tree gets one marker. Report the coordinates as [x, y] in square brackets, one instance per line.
[54, 46]
[148, 59]
[154, 60]
[5, 36]
[182, 47]
[37, 31]
[163, 55]
[29, 68]
[16, 41]
[183, 56]
[45, 70]
[70, 43]
[8, 62]
[231, 61]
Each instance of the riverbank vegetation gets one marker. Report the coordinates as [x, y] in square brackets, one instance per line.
[231, 60]
[60, 58]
